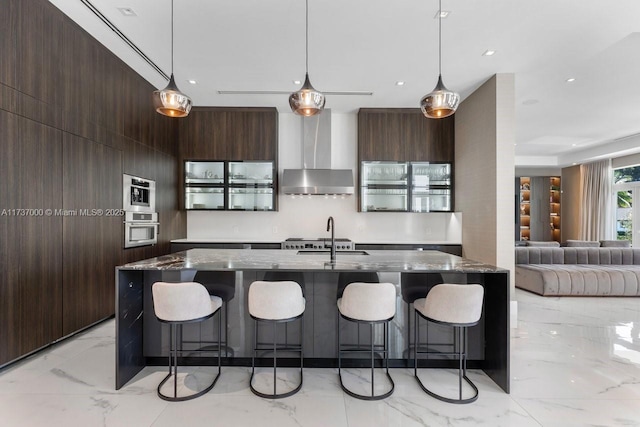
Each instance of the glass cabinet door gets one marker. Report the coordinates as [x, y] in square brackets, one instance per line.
[384, 199]
[204, 173]
[204, 198]
[384, 173]
[251, 199]
[430, 187]
[251, 173]
[251, 186]
[383, 187]
[204, 185]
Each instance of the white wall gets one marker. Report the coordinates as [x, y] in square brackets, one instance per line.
[307, 216]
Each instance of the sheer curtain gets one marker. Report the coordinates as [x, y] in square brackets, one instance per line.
[596, 186]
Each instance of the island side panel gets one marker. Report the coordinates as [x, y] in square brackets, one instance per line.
[496, 306]
[129, 325]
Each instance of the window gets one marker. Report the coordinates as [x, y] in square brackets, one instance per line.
[627, 203]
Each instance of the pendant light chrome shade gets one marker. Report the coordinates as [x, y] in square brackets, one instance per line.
[170, 101]
[440, 102]
[307, 101]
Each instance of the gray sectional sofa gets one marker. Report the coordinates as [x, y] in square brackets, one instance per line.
[578, 271]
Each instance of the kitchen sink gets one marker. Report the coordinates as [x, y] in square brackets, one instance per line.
[338, 253]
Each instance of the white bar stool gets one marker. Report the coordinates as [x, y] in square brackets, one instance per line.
[368, 303]
[459, 306]
[177, 304]
[276, 302]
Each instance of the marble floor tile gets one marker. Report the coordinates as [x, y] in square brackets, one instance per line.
[248, 411]
[574, 362]
[583, 412]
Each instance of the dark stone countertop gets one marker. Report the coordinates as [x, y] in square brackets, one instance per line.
[289, 260]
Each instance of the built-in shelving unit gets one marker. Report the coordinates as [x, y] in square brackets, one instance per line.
[525, 208]
[538, 216]
[554, 208]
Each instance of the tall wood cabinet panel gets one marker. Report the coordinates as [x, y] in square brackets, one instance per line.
[59, 84]
[31, 251]
[92, 180]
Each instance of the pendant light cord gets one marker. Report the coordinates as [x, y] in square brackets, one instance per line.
[439, 37]
[172, 37]
[306, 37]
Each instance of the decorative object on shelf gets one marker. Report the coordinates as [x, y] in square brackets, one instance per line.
[170, 101]
[307, 101]
[440, 102]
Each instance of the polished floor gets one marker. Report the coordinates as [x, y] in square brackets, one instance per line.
[574, 362]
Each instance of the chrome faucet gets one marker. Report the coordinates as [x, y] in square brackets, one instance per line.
[331, 225]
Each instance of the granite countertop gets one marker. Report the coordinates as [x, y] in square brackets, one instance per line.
[289, 260]
[367, 242]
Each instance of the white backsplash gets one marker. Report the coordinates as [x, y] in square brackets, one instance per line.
[307, 216]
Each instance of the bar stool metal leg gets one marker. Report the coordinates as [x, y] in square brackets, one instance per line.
[371, 351]
[275, 349]
[459, 341]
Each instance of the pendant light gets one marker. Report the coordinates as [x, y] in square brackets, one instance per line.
[440, 102]
[170, 101]
[307, 101]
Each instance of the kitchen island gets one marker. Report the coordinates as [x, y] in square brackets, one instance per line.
[141, 340]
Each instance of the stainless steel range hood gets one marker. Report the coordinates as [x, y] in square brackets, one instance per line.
[316, 176]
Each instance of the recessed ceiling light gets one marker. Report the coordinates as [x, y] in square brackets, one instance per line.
[574, 164]
[571, 80]
[442, 14]
[127, 11]
[192, 82]
[489, 52]
[573, 145]
[530, 102]
[297, 82]
[399, 83]
[515, 143]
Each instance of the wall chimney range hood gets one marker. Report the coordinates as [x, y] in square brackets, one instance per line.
[316, 176]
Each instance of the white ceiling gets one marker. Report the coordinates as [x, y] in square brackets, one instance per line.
[247, 45]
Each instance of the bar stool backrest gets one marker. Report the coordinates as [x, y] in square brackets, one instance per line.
[180, 302]
[454, 304]
[275, 300]
[369, 301]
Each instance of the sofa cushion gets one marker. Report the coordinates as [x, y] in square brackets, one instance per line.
[582, 244]
[543, 244]
[583, 280]
[615, 243]
[616, 256]
[539, 255]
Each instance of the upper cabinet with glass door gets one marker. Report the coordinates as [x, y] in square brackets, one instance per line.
[204, 185]
[251, 186]
[383, 187]
[430, 187]
[226, 185]
[405, 187]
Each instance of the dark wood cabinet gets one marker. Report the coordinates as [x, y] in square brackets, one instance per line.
[73, 117]
[213, 133]
[227, 134]
[31, 252]
[404, 134]
[91, 244]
